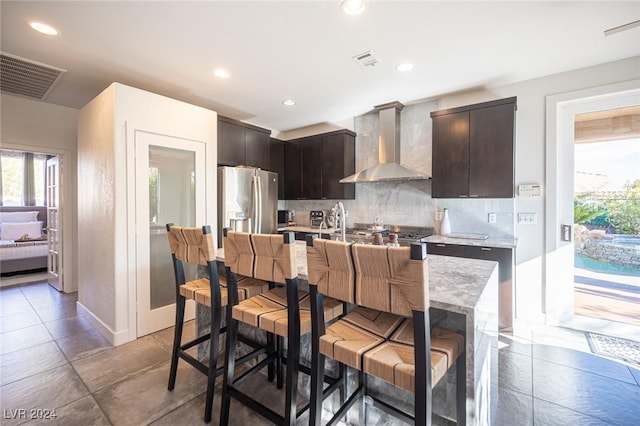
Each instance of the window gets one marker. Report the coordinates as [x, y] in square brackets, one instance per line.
[22, 181]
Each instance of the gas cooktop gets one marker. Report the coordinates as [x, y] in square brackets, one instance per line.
[363, 232]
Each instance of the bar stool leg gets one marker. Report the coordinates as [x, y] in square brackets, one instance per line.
[213, 360]
[177, 341]
[229, 363]
[317, 376]
[271, 344]
[293, 356]
[461, 389]
[363, 397]
[279, 356]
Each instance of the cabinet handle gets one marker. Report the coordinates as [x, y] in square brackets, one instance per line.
[474, 196]
[485, 248]
[462, 196]
[441, 245]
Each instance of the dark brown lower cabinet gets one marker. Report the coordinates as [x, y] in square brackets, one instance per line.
[504, 257]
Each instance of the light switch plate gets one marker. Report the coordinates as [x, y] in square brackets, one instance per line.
[491, 218]
[528, 218]
[530, 190]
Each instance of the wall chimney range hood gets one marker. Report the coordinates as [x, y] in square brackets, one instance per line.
[388, 167]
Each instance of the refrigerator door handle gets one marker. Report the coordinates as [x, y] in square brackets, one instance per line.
[254, 205]
[259, 220]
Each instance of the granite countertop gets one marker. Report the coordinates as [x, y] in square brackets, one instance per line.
[455, 283]
[489, 242]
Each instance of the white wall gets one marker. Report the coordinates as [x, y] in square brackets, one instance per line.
[31, 125]
[106, 217]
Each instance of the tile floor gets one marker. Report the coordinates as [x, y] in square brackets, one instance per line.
[52, 358]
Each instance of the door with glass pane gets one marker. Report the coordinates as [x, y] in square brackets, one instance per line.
[170, 176]
[599, 294]
[54, 224]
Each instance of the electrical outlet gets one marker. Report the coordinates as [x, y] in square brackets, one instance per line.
[491, 218]
[438, 215]
[528, 218]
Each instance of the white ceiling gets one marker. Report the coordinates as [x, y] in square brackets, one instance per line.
[303, 50]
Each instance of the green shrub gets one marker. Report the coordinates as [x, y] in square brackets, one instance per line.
[624, 212]
[584, 212]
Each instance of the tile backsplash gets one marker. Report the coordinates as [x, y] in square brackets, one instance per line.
[408, 202]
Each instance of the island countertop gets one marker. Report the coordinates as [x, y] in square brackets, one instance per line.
[489, 242]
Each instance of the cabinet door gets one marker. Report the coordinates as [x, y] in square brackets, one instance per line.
[276, 163]
[445, 249]
[292, 171]
[491, 133]
[312, 168]
[256, 148]
[450, 156]
[230, 144]
[338, 161]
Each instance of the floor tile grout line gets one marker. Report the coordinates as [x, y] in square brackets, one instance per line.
[89, 392]
[177, 408]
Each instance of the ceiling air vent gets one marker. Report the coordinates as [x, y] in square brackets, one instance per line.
[366, 59]
[24, 77]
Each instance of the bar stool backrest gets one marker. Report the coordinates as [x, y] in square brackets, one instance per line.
[392, 279]
[267, 257]
[191, 245]
[238, 252]
[330, 268]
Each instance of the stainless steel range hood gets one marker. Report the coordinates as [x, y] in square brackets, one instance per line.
[389, 167]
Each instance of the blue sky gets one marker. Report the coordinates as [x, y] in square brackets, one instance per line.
[620, 160]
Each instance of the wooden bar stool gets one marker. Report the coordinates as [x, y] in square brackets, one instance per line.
[195, 246]
[388, 335]
[283, 311]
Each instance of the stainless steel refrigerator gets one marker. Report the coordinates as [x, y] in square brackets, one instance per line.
[247, 200]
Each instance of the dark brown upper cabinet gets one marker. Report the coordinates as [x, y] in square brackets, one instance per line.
[292, 170]
[473, 151]
[243, 144]
[276, 161]
[315, 164]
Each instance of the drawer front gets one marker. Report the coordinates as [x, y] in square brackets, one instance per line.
[445, 249]
[501, 255]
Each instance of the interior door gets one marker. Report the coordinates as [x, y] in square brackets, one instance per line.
[561, 112]
[170, 188]
[54, 224]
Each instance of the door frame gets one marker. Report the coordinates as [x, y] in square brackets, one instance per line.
[68, 174]
[133, 215]
[560, 116]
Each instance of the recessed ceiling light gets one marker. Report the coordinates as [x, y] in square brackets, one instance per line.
[405, 66]
[43, 28]
[222, 73]
[289, 102]
[353, 7]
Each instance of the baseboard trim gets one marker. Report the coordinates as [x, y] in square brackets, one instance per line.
[115, 338]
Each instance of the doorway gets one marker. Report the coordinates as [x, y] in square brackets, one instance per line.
[560, 295]
[607, 215]
[32, 180]
[170, 188]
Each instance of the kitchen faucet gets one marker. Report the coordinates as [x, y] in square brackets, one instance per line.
[322, 224]
[343, 220]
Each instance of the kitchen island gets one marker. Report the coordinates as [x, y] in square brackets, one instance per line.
[463, 294]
